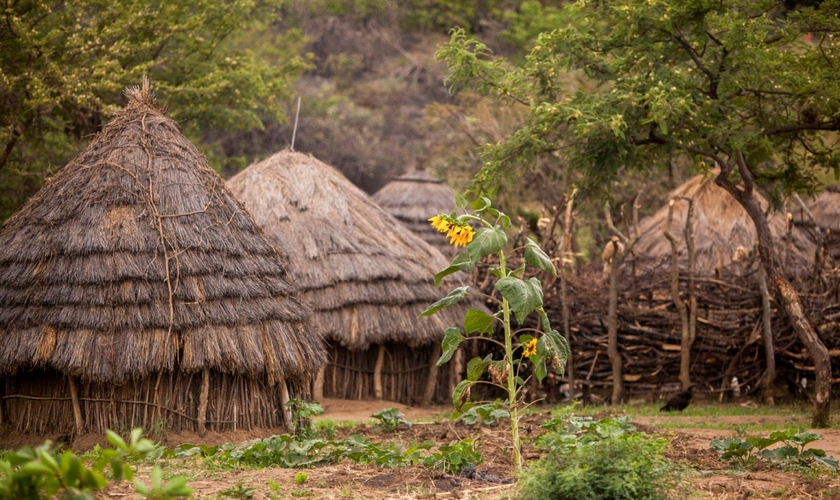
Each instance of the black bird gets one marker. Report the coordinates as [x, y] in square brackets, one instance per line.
[680, 401]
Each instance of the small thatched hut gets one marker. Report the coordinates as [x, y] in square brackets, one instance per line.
[825, 209]
[414, 197]
[722, 231]
[135, 291]
[365, 275]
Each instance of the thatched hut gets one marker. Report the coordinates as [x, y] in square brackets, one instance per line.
[135, 291]
[414, 197]
[366, 277]
[722, 231]
[825, 210]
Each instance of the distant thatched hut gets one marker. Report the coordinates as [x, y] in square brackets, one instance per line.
[135, 291]
[365, 275]
[413, 198]
[825, 209]
[722, 231]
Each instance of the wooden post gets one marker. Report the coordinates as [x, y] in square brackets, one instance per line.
[284, 398]
[377, 372]
[202, 402]
[431, 380]
[567, 259]
[77, 408]
[318, 385]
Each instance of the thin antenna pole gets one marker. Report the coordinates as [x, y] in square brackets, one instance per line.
[294, 130]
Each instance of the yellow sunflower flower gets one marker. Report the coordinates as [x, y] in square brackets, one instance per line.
[460, 235]
[440, 223]
[530, 348]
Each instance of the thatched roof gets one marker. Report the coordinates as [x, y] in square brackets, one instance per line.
[366, 276]
[135, 258]
[721, 227]
[413, 198]
[825, 207]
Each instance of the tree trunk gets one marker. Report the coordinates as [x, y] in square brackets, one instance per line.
[767, 334]
[318, 385]
[789, 298]
[612, 336]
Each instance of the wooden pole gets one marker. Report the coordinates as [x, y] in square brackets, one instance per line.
[377, 372]
[318, 385]
[202, 402]
[284, 398]
[431, 380]
[77, 408]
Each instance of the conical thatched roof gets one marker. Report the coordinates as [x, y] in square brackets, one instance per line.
[825, 207]
[366, 276]
[136, 259]
[413, 198]
[721, 227]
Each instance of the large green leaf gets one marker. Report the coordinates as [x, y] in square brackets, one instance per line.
[460, 201]
[452, 338]
[535, 256]
[453, 297]
[524, 296]
[478, 321]
[544, 322]
[476, 367]
[461, 262]
[461, 394]
[486, 242]
[553, 346]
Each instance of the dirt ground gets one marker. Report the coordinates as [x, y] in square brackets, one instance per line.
[710, 477]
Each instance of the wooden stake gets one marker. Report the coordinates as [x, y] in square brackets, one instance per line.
[284, 398]
[77, 408]
[767, 334]
[431, 381]
[202, 402]
[377, 372]
[318, 385]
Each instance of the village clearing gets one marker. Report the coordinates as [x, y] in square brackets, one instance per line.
[706, 476]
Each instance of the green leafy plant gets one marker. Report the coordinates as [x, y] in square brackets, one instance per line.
[302, 412]
[748, 452]
[520, 297]
[485, 414]
[454, 457]
[239, 491]
[390, 419]
[301, 477]
[42, 472]
[591, 459]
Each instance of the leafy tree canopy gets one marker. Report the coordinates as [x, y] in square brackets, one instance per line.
[64, 66]
[703, 79]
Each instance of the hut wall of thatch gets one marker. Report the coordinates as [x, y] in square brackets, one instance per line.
[40, 402]
[825, 210]
[350, 374]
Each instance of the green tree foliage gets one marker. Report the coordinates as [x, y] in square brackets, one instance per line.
[64, 65]
[696, 79]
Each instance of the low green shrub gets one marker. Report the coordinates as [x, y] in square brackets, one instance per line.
[748, 452]
[596, 459]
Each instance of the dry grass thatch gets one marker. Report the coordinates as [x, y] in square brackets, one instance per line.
[825, 208]
[135, 259]
[413, 198]
[721, 226]
[365, 275]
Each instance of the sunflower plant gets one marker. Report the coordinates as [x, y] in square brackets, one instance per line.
[519, 298]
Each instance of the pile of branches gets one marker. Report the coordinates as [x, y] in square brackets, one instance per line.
[729, 322]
